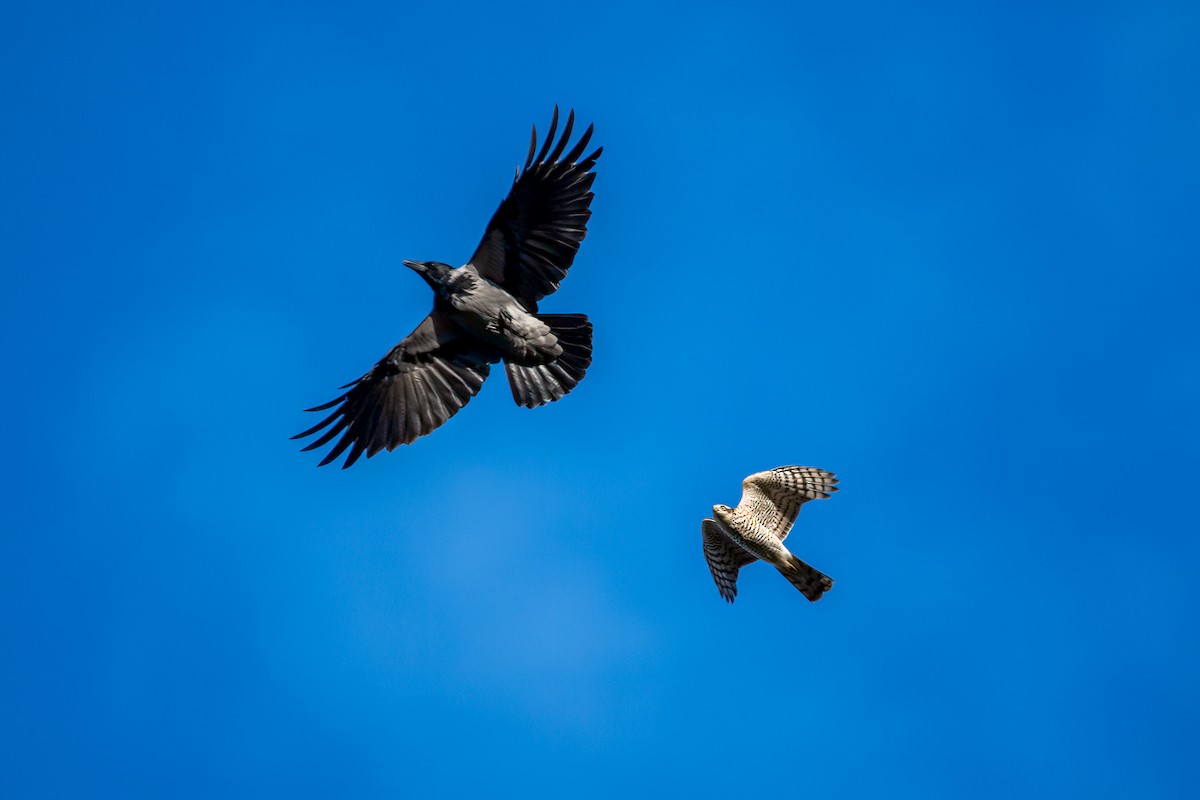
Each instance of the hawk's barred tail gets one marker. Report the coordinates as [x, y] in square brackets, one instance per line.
[536, 386]
[811, 582]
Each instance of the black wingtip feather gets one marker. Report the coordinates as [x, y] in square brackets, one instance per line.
[549, 140]
[532, 150]
[355, 453]
[566, 137]
[337, 450]
[319, 425]
[573, 156]
[327, 437]
[324, 406]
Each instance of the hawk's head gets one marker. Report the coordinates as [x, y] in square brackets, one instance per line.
[723, 514]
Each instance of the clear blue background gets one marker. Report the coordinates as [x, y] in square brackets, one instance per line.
[947, 250]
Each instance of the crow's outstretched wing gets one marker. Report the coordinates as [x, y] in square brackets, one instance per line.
[415, 388]
[533, 236]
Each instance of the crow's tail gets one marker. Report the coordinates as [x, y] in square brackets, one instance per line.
[536, 386]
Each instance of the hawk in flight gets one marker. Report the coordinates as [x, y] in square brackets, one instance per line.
[483, 312]
[756, 529]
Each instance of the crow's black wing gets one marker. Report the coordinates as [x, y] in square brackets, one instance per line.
[415, 388]
[533, 236]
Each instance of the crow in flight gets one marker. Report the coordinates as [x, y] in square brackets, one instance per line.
[483, 312]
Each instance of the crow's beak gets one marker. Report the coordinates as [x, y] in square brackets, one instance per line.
[415, 266]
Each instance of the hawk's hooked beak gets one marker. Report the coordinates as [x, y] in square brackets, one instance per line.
[416, 266]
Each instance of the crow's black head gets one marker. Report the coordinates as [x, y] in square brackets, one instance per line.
[435, 273]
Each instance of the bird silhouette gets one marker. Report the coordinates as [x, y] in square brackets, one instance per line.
[483, 312]
[756, 529]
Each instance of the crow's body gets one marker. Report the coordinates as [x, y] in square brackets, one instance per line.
[494, 317]
[483, 312]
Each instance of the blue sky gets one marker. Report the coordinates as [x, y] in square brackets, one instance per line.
[946, 250]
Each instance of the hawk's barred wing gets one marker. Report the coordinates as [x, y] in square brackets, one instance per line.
[724, 558]
[772, 499]
[532, 238]
[415, 388]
